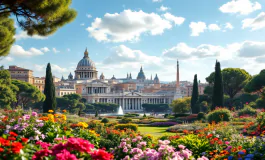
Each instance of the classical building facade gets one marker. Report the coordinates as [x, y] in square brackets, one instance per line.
[127, 92]
[21, 74]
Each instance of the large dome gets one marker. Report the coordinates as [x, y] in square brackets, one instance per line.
[86, 62]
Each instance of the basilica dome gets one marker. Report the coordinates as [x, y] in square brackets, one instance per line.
[86, 62]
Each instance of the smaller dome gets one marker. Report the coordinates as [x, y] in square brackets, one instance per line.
[141, 75]
[113, 77]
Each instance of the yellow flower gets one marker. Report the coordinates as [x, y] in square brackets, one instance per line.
[50, 111]
[82, 124]
[51, 117]
[63, 117]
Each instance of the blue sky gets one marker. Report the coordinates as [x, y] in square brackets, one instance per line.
[122, 35]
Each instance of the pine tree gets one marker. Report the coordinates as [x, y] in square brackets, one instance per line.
[218, 88]
[36, 17]
[49, 91]
[96, 114]
[195, 95]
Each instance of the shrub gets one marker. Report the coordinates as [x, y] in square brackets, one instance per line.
[165, 115]
[201, 116]
[119, 117]
[125, 120]
[105, 120]
[133, 127]
[219, 114]
[131, 115]
[144, 115]
[247, 110]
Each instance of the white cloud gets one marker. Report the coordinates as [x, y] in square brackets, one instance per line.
[45, 49]
[243, 7]
[254, 23]
[176, 20]
[183, 51]
[163, 8]
[19, 51]
[88, 15]
[24, 35]
[197, 28]
[229, 26]
[55, 50]
[252, 49]
[157, 0]
[213, 27]
[82, 24]
[127, 26]
[124, 54]
[56, 69]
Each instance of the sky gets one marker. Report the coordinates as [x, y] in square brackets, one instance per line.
[123, 35]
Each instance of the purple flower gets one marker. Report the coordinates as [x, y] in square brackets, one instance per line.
[181, 146]
[35, 114]
[40, 124]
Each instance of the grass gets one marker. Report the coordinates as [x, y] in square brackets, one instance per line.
[155, 131]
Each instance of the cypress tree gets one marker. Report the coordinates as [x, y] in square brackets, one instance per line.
[49, 91]
[195, 96]
[218, 88]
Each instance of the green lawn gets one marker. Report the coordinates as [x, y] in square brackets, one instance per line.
[155, 131]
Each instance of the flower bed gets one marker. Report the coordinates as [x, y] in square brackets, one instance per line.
[163, 124]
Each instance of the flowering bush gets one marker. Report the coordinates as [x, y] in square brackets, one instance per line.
[218, 115]
[70, 149]
[136, 149]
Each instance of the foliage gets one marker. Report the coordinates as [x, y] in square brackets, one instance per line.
[181, 115]
[131, 115]
[105, 120]
[133, 127]
[219, 115]
[204, 106]
[106, 107]
[201, 116]
[234, 80]
[247, 110]
[125, 120]
[257, 83]
[7, 32]
[35, 17]
[7, 89]
[27, 93]
[96, 114]
[218, 89]
[260, 103]
[195, 96]
[155, 107]
[181, 105]
[49, 91]
[197, 144]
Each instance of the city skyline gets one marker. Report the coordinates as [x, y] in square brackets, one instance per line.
[125, 36]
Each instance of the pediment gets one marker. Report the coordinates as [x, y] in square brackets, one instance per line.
[133, 94]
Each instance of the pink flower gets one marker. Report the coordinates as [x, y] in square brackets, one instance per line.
[125, 149]
[181, 146]
[65, 155]
[35, 114]
[226, 142]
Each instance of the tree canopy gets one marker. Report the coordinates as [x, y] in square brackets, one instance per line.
[26, 93]
[36, 17]
[234, 80]
[7, 89]
[257, 83]
[195, 96]
[181, 105]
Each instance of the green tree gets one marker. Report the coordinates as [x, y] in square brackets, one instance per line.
[218, 89]
[7, 89]
[195, 96]
[181, 105]
[36, 17]
[234, 80]
[26, 93]
[49, 91]
[257, 83]
[7, 32]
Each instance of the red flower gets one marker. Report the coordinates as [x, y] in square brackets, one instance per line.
[11, 138]
[13, 134]
[25, 140]
[101, 155]
[16, 147]
[215, 139]
[1, 149]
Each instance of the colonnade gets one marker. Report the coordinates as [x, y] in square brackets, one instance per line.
[96, 90]
[88, 75]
